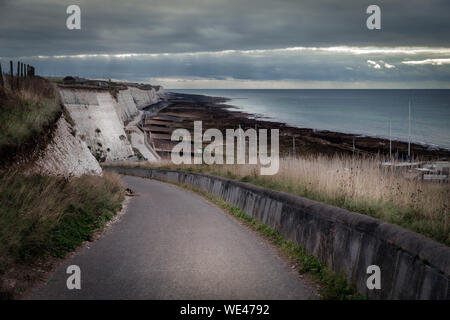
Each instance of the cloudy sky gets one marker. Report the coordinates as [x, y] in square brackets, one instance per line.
[234, 43]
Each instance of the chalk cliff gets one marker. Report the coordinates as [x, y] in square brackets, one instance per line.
[66, 155]
[99, 132]
[100, 117]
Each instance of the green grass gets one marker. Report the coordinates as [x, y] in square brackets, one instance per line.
[334, 286]
[26, 119]
[26, 116]
[44, 215]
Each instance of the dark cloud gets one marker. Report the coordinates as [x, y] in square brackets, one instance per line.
[38, 28]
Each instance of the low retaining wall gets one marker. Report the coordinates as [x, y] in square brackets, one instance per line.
[412, 266]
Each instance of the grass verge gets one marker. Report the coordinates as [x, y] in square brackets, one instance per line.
[334, 286]
[44, 216]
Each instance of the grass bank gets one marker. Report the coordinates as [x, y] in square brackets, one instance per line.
[356, 184]
[27, 117]
[43, 216]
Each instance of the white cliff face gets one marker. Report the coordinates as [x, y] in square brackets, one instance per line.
[144, 98]
[98, 122]
[67, 155]
[161, 93]
[99, 130]
[125, 106]
[100, 117]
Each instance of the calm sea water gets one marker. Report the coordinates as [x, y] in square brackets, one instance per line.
[364, 112]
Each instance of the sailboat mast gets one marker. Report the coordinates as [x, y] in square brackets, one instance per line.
[293, 146]
[409, 131]
[390, 140]
[353, 148]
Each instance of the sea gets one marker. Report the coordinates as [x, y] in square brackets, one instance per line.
[362, 112]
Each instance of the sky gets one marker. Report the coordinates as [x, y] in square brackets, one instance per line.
[257, 44]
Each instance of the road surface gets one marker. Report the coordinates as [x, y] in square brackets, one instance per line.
[173, 244]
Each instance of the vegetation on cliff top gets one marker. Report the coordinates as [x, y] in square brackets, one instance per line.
[27, 117]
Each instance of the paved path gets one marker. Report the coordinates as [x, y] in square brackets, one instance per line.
[173, 244]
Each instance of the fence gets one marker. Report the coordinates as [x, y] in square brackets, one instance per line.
[24, 73]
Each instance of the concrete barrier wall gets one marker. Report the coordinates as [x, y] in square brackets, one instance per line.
[412, 266]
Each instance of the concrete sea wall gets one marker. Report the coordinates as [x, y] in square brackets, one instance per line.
[412, 266]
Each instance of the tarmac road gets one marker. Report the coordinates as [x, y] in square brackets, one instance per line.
[173, 244]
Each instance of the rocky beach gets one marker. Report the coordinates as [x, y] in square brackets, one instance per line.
[215, 112]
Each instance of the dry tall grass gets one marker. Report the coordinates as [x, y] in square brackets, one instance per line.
[358, 184]
[46, 214]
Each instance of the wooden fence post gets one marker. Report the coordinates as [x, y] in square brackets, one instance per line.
[21, 69]
[1, 76]
[26, 70]
[12, 74]
[18, 75]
